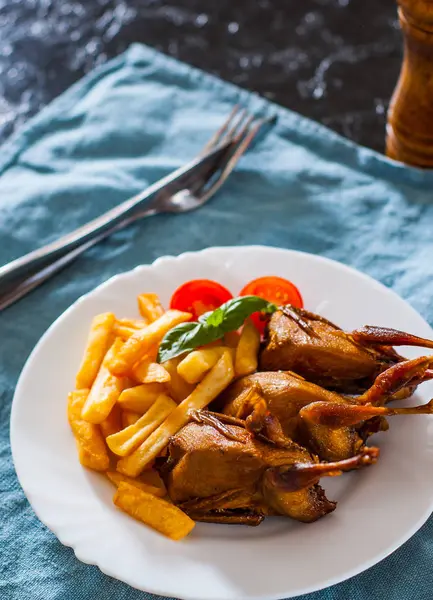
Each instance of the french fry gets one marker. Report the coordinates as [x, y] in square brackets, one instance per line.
[150, 356]
[198, 362]
[124, 328]
[134, 323]
[140, 398]
[123, 331]
[92, 452]
[113, 423]
[127, 440]
[117, 478]
[247, 351]
[105, 390]
[150, 307]
[147, 371]
[159, 514]
[98, 342]
[143, 340]
[207, 390]
[178, 388]
[129, 417]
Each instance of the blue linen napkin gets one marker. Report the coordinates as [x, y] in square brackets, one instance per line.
[119, 129]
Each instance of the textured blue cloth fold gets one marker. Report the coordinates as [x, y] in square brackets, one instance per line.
[124, 126]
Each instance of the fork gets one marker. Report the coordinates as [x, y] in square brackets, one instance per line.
[184, 190]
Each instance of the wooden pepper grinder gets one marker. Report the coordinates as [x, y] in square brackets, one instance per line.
[410, 115]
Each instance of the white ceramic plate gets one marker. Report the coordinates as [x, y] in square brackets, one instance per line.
[378, 508]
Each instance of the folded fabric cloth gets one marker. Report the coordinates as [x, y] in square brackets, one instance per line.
[301, 186]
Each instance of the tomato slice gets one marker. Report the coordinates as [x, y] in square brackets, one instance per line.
[274, 289]
[199, 296]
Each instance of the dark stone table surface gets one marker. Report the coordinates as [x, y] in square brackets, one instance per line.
[336, 61]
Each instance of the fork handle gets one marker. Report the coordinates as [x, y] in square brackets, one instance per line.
[143, 204]
[95, 230]
[27, 280]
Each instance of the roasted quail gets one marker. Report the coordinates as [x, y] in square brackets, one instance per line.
[300, 341]
[334, 435]
[218, 470]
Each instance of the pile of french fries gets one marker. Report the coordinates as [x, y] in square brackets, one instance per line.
[126, 406]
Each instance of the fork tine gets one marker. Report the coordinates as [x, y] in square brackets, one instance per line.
[224, 135]
[244, 128]
[245, 137]
[221, 133]
[232, 133]
[249, 136]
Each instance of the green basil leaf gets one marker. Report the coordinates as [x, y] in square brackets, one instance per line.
[234, 312]
[211, 326]
[215, 318]
[176, 339]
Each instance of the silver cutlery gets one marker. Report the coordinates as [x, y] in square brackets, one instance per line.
[183, 190]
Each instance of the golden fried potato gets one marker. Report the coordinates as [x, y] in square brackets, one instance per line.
[105, 390]
[247, 351]
[127, 440]
[133, 323]
[129, 417]
[140, 398]
[140, 342]
[198, 362]
[123, 332]
[150, 307]
[148, 371]
[92, 452]
[155, 512]
[177, 387]
[124, 328]
[117, 478]
[207, 390]
[113, 423]
[99, 340]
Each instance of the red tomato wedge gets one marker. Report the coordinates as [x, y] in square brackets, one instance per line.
[274, 289]
[199, 296]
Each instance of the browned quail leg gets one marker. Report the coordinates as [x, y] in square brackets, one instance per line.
[335, 416]
[403, 375]
[305, 475]
[428, 375]
[384, 336]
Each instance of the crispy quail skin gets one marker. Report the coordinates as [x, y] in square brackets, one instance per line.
[333, 426]
[218, 471]
[318, 350]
